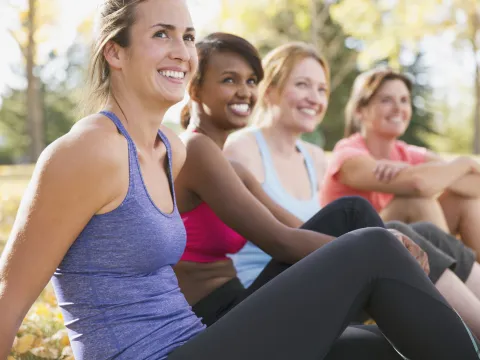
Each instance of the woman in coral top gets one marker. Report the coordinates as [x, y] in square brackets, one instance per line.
[403, 182]
[297, 314]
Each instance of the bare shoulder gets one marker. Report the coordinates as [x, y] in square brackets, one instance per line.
[198, 145]
[241, 146]
[90, 153]
[316, 152]
[179, 153]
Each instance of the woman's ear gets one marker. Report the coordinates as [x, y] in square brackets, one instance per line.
[112, 53]
[271, 96]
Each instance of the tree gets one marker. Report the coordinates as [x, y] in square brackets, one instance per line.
[270, 23]
[36, 22]
[384, 29]
[61, 77]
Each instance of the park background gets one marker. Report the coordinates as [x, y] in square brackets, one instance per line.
[45, 46]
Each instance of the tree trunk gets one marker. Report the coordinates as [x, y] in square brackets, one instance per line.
[34, 106]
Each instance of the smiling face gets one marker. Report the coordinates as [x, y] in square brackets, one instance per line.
[388, 112]
[302, 103]
[228, 91]
[161, 57]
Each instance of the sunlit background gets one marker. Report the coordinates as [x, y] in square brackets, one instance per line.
[435, 41]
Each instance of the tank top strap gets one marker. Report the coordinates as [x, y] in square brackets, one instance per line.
[166, 142]
[309, 164]
[270, 173]
[118, 124]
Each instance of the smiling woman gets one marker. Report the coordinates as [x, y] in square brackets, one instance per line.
[100, 215]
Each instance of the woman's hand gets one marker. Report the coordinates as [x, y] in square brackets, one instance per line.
[415, 250]
[387, 170]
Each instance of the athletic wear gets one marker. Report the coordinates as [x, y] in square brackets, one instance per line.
[209, 239]
[251, 260]
[115, 286]
[301, 312]
[355, 146]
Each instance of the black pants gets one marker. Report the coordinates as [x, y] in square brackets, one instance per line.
[301, 312]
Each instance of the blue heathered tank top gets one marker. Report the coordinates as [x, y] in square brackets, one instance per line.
[250, 261]
[116, 287]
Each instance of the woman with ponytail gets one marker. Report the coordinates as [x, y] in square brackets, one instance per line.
[288, 311]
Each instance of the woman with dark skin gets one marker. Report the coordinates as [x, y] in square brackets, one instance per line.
[211, 194]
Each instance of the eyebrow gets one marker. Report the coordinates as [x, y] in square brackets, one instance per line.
[309, 79]
[233, 72]
[173, 27]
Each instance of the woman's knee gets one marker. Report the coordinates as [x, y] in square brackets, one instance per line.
[398, 225]
[376, 240]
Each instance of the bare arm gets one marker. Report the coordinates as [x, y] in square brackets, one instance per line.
[424, 180]
[468, 185]
[71, 182]
[208, 174]
[256, 189]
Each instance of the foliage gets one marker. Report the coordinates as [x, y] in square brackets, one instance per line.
[42, 334]
[270, 23]
[384, 29]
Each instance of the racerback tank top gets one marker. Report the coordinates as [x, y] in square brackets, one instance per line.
[116, 287]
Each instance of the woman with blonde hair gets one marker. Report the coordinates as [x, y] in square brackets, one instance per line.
[291, 172]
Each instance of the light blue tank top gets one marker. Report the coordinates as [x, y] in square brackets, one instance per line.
[116, 287]
[250, 261]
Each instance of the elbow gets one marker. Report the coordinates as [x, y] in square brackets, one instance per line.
[284, 248]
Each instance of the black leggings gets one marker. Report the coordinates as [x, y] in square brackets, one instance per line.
[300, 313]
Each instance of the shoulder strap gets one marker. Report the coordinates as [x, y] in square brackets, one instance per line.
[270, 174]
[310, 165]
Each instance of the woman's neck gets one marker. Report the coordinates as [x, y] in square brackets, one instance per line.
[380, 147]
[141, 120]
[201, 123]
[280, 139]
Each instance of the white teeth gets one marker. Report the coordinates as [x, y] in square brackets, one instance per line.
[173, 74]
[309, 111]
[396, 120]
[242, 108]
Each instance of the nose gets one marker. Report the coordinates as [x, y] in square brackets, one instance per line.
[244, 92]
[179, 51]
[314, 97]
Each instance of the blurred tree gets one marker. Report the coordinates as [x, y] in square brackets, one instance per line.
[36, 25]
[422, 130]
[59, 79]
[384, 28]
[270, 23]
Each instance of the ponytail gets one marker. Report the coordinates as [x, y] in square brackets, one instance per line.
[186, 114]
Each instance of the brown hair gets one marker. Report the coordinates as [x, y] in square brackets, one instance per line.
[364, 88]
[220, 42]
[278, 65]
[115, 18]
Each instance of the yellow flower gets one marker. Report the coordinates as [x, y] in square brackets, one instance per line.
[62, 337]
[42, 310]
[46, 353]
[22, 344]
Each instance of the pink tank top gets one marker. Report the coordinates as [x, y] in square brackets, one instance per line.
[208, 238]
